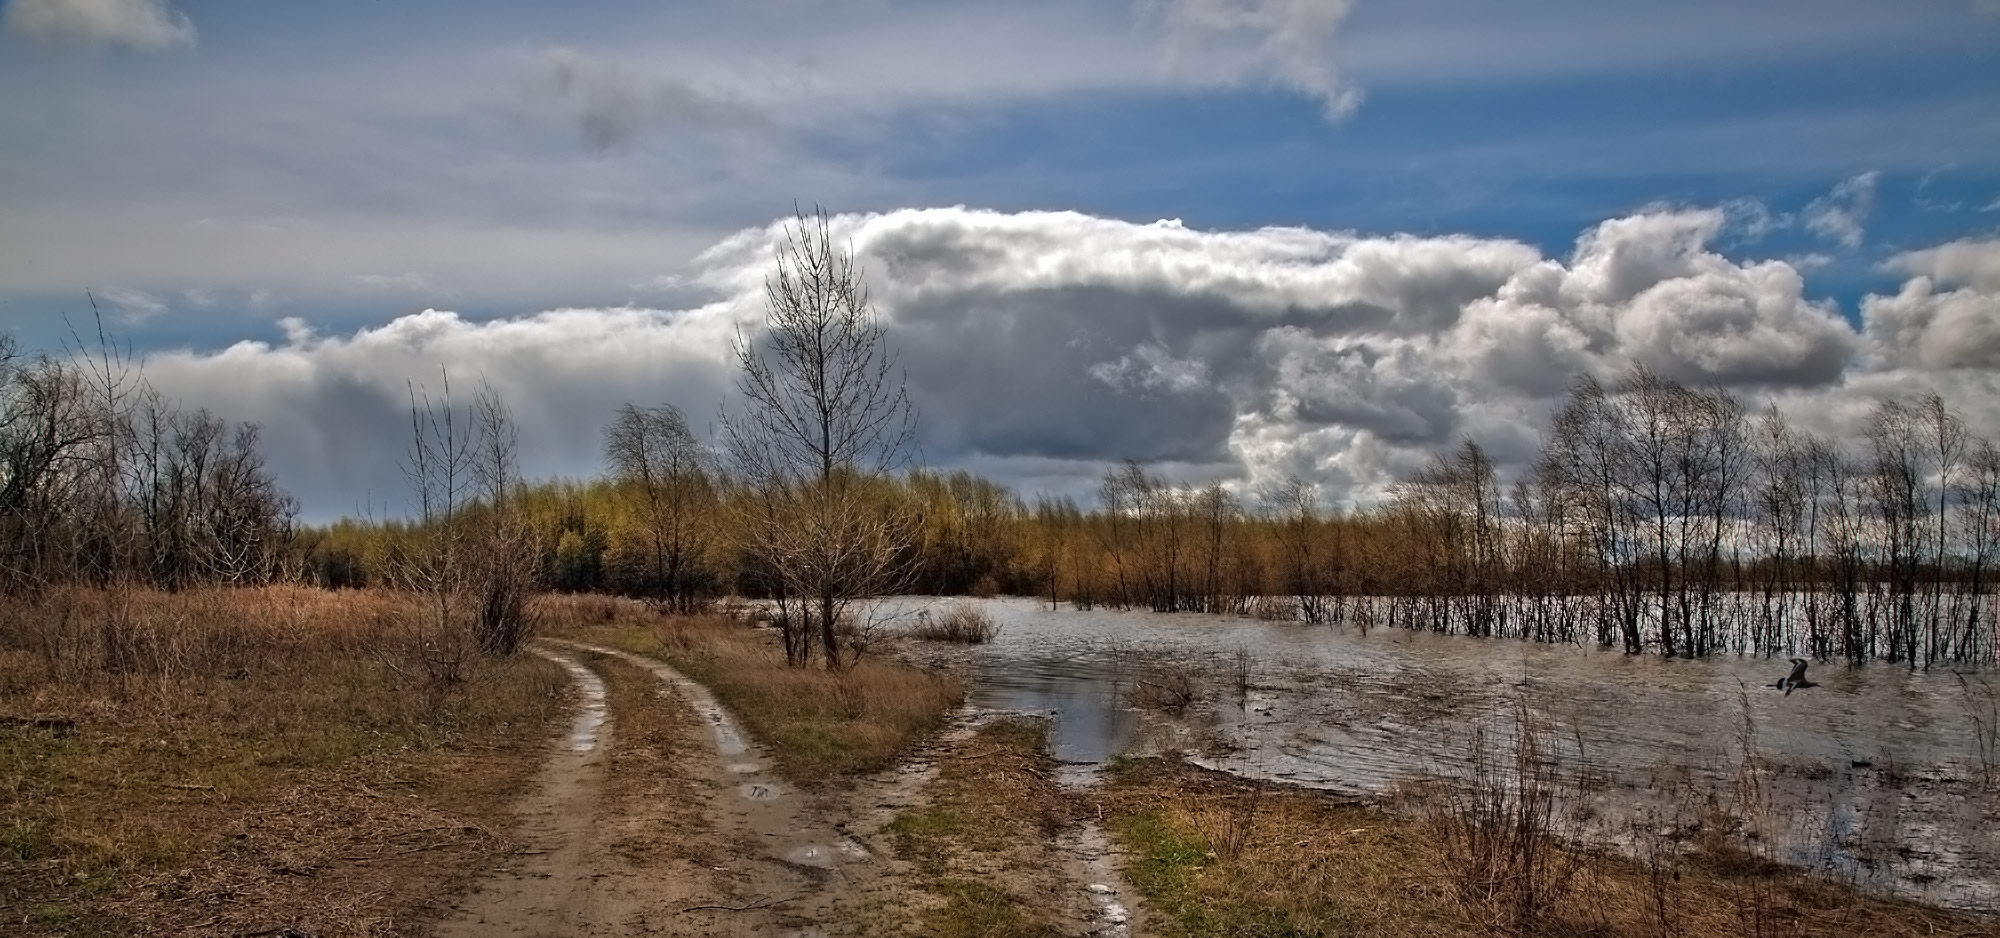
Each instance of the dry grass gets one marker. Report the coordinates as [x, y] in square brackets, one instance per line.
[819, 725]
[657, 817]
[1982, 710]
[227, 761]
[967, 625]
[1314, 864]
[1502, 821]
[982, 843]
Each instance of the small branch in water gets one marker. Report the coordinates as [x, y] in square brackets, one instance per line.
[752, 907]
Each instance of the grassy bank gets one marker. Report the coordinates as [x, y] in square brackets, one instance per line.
[981, 845]
[229, 761]
[1213, 855]
[818, 725]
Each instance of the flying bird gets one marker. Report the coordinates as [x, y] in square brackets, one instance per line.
[1795, 680]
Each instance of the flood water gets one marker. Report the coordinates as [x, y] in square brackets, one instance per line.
[1873, 776]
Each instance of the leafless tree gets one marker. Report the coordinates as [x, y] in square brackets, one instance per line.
[504, 556]
[825, 410]
[442, 468]
[1292, 506]
[665, 473]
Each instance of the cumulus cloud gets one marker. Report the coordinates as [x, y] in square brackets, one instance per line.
[611, 104]
[1973, 262]
[1149, 368]
[1287, 41]
[1947, 315]
[1044, 346]
[334, 408]
[1754, 220]
[1841, 215]
[145, 25]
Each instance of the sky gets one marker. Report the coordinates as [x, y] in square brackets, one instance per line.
[1232, 239]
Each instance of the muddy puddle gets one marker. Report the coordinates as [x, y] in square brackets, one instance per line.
[1873, 776]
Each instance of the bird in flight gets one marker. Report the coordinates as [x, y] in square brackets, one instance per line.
[1795, 680]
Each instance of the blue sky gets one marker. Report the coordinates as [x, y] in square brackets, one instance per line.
[210, 167]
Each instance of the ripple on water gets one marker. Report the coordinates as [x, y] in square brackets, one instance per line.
[1332, 707]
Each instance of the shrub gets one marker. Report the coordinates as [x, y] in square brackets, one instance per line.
[1500, 823]
[1166, 687]
[965, 624]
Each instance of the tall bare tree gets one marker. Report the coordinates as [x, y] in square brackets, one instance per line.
[504, 555]
[825, 408]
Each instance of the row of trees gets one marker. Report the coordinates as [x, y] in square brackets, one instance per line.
[102, 481]
[1657, 517]
[1662, 516]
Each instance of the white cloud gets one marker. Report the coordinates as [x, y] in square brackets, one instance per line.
[1288, 41]
[1973, 262]
[145, 25]
[132, 306]
[1753, 220]
[1047, 345]
[1842, 215]
[1151, 369]
[1946, 316]
[333, 408]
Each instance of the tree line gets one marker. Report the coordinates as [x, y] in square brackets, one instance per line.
[103, 481]
[1656, 517]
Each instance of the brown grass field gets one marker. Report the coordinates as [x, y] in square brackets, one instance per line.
[246, 761]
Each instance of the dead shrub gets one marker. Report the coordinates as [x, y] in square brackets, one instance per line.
[964, 624]
[1500, 822]
[1227, 823]
[1167, 687]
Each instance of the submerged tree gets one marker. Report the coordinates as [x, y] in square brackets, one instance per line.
[825, 410]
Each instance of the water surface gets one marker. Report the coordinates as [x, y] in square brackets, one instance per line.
[1871, 776]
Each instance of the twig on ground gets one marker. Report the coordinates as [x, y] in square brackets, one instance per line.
[752, 907]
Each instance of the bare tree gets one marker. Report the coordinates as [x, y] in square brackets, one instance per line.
[442, 469]
[664, 471]
[825, 409]
[504, 554]
[1292, 507]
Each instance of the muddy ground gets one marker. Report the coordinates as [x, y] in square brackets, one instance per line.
[657, 815]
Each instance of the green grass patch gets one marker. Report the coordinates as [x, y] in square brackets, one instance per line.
[976, 909]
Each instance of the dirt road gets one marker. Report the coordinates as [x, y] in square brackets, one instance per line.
[755, 856]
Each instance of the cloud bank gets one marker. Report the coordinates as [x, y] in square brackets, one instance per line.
[144, 25]
[1043, 346]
